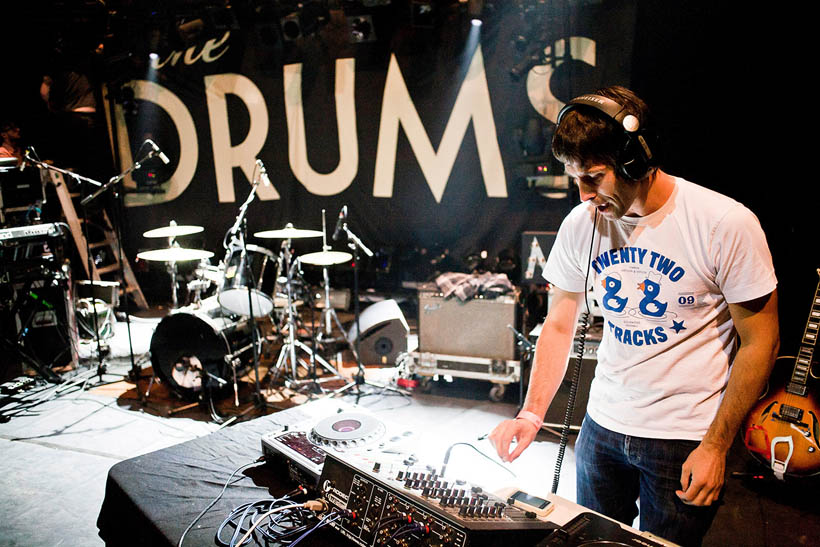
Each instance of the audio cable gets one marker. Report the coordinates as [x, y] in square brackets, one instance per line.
[576, 368]
[218, 497]
[317, 506]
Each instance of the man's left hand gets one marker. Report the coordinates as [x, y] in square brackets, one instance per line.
[702, 475]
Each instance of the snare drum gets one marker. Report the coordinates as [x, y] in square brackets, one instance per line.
[196, 345]
[254, 271]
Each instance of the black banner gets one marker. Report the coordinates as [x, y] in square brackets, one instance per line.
[436, 138]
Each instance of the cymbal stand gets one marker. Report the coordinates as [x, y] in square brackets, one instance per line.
[287, 354]
[329, 311]
[354, 243]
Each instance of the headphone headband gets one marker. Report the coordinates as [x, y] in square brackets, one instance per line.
[606, 105]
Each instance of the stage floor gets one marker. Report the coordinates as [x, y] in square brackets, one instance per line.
[56, 454]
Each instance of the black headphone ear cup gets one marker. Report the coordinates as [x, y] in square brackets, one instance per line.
[633, 161]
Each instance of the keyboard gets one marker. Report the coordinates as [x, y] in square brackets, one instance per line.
[22, 233]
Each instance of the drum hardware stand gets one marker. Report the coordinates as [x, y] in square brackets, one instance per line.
[314, 384]
[291, 343]
[354, 243]
[329, 312]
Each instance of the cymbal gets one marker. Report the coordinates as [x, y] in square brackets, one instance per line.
[325, 258]
[288, 232]
[173, 230]
[174, 254]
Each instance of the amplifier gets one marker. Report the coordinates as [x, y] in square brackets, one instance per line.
[339, 298]
[475, 328]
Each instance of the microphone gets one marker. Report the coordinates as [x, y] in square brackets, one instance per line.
[340, 222]
[25, 158]
[263, 173]
[158, 152]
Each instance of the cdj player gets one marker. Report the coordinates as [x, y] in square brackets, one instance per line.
[332, 426]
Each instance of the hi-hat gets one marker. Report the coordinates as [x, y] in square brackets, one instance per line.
[325, 258]
[173, 230]
[174, 254]
[288, 232]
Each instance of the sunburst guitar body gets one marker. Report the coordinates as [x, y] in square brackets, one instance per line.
[783, 428]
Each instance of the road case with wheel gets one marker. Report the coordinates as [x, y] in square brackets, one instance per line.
[500, 372]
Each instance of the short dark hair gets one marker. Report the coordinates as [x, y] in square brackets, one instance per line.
[5, 125]
[586, 134]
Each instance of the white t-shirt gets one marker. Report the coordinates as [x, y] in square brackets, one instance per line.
[663, 283]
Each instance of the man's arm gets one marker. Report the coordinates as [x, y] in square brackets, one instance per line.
[548, 369]
[702, 473]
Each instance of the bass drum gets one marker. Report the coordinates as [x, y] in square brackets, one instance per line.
[189, 348]
[254, 270]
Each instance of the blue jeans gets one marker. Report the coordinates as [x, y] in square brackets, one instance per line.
[614, 470]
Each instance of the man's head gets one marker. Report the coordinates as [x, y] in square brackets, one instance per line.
[608, 127]
[9, 131]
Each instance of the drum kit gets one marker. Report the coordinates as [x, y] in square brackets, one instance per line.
[208, 342]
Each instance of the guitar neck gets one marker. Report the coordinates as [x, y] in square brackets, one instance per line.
[798, 385]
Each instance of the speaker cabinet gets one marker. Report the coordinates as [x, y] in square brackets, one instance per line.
[475, 328]
[384, 333]
[44, 323]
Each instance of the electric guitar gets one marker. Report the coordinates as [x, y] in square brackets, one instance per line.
[783, 428]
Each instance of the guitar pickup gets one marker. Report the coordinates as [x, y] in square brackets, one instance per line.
[791, 414]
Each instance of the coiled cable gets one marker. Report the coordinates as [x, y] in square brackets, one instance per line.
[576, 368]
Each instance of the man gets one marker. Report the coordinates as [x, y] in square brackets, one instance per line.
[10, 141]
[688, 293]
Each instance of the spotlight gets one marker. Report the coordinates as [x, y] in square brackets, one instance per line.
[422, 14]
[361, 29]
[475, 9]
[291, 29]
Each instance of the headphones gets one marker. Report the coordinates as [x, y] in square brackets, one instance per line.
[635, 158]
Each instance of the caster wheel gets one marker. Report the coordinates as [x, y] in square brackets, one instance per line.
[426, 384]
[497, 392]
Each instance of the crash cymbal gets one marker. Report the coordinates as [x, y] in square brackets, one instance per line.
[173, 230]
[325, 258]
[288, 232]
[174, 254]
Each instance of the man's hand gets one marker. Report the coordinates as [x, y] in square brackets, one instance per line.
[521, 430]
[702, 475]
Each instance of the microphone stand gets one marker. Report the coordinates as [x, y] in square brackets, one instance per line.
[134, 372]
[354, 243]
[238, 234]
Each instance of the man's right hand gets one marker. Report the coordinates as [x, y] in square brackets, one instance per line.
[502, 436]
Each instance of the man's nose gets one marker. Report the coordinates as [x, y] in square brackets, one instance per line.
[586, 193]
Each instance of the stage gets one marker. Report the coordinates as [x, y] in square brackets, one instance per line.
[57, 456]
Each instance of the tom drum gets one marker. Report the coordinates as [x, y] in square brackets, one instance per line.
[254, 271]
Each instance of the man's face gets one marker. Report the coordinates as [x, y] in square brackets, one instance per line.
[10, 133]
[613, 196]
